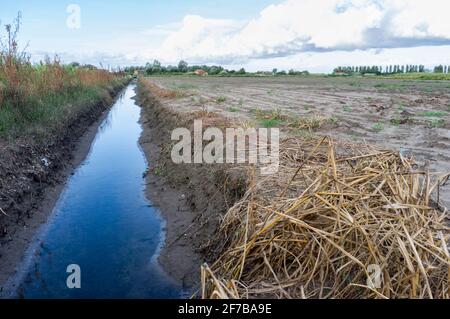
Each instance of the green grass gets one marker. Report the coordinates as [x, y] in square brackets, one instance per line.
[159, 170]
[400, 109]
[268, 118]
[378, 127]
[427, 89]
[355, 84]
[232, 109]
[221, 99]
[334, 120]
[347, 108]
[275, 114]
[418, 76]
[40, 116]
[355, 137]
[270, 122]
[436, 123]
[433, 114]
[396, 121]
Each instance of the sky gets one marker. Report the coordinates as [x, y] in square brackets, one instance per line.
[314, 35]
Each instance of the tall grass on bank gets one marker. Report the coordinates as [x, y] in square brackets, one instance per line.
[34, 96]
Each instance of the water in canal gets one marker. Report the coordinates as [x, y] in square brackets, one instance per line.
[103, 223]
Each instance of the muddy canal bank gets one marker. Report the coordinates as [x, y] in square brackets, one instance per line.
[191, 197]
[102, 224]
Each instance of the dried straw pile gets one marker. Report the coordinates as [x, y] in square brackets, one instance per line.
[322, 226]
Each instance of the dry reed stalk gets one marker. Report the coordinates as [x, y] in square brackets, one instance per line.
[343, 209]
[307, 122]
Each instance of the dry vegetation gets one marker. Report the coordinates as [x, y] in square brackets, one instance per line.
[22, 81]
[38, 93]
[314, 229]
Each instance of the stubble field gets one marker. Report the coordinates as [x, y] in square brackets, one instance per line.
[409, 116]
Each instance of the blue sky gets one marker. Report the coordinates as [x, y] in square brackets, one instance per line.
[102, 21]
[257, 34]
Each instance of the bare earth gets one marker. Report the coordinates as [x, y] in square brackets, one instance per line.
[406, 115]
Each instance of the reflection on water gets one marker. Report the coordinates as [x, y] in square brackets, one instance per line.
[104, 223]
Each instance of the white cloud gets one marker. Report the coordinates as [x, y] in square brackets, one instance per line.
[429, 56]
[295, 26]
[163, 29]
[421, 19]
[300, 34]
[192, 37]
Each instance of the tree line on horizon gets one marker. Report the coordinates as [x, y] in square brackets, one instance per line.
[390, 69]
[183, 67]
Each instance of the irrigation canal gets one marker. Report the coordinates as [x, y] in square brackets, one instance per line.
[103, 228]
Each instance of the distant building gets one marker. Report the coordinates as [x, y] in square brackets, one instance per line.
[200, 72]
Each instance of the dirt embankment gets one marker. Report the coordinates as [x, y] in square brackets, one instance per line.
[191, 197]
[32, 175]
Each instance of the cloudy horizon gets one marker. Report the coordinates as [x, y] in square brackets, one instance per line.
[259, 35]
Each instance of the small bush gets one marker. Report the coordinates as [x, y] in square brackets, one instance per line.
[221, 99]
